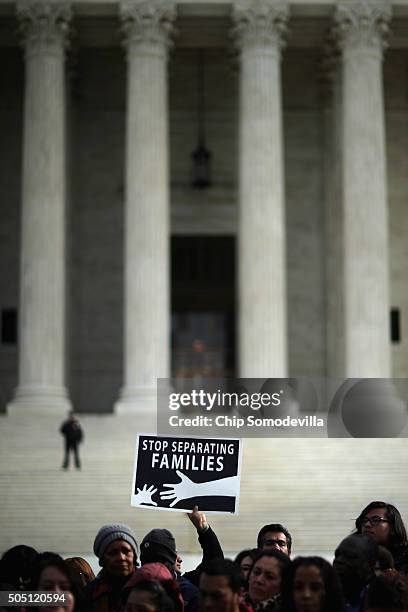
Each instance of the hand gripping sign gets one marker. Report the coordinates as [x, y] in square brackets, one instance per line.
[180, 473]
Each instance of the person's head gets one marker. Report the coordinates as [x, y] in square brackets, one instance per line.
[178, 563]
[51, 573]
[310, 584]
[149, 596]
[385, 561]
[276, 536]
[388, 594]
[82, 570]
[265, 577]
[159, 545]
[116, 548]
[15, 565]
[245, 560]
[383, 523]
[221, 584]
[354, 562]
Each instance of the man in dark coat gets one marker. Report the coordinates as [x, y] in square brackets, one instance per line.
[159, 545]
[354, 563]
[73, 435]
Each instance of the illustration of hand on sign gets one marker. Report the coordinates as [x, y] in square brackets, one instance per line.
[144, 495]
[186, 488]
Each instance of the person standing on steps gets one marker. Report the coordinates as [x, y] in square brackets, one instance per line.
[73, 435]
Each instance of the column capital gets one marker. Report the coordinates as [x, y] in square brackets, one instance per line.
[44, 25]
[260, 23]
[328, 70]
[362, 24]
[147, 23]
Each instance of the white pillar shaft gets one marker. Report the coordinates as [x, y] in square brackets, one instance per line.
[147, 225]
[333, 224]
[261, 244]
[147, 303]
[42, 277]
[366, 264]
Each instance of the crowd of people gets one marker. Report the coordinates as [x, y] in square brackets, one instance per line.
[369, 572]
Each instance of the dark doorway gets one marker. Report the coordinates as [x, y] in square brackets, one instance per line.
[203, 306]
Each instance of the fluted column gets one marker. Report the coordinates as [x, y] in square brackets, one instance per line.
[147, 26]
[361, 26]
[330, 90]
[41, 384]
[259, 29]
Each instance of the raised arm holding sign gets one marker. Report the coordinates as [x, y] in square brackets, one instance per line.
[208, 541]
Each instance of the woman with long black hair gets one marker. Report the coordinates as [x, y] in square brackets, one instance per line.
[310, 584]
[383, 523]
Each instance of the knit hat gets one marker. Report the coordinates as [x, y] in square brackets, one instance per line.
[158, 545]
[108, 534]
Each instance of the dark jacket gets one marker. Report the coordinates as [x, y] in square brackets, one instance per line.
[400, 556]
[105, 595]
[72, 432]
[211, 550]
[189, 593]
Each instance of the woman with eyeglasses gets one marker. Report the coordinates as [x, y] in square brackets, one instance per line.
[383, 523]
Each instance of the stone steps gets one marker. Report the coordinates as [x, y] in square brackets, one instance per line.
[316, 487]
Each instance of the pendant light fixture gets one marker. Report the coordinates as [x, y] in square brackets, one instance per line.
[201, 157]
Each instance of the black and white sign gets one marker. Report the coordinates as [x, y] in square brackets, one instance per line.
[179, 473]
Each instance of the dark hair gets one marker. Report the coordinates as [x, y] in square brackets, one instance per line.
[398, 532]
[15, 565]
[161, 595]
[50, 559]
[274, 527]
[227, 568]
[385, 559]
[334, 601]
[388, 592]
[45, 560]
[248, 552]
[370, 546]
[283, 559]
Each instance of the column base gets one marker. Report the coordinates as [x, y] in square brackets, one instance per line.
[137, 400]
[39, 399]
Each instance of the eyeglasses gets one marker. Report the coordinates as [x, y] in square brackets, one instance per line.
[374, 520]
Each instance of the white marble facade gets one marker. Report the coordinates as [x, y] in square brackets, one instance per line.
[306, 115]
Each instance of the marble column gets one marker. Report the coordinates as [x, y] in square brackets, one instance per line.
[147, 26]
[259, 30]
[41, 384]
[330, 94]
[361, 27]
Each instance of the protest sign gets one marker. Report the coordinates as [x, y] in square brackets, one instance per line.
[172, 473]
